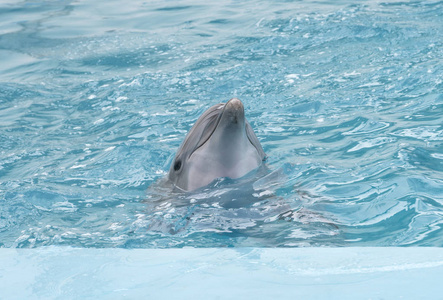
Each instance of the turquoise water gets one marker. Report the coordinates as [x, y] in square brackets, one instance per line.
[346, 98]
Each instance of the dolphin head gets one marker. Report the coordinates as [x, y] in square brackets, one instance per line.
[220, 144]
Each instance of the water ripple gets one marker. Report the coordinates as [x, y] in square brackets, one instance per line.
[345, 98]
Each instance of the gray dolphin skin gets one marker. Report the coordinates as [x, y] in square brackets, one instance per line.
[220, 144]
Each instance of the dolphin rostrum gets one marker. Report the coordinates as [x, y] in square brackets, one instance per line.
[220, 144]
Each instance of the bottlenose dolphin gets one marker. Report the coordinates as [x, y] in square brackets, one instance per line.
[220, 144]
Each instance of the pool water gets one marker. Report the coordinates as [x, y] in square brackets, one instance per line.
[345, 97]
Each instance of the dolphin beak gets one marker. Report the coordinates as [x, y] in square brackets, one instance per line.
[234, 111]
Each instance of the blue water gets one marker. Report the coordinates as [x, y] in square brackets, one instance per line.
[346, 98]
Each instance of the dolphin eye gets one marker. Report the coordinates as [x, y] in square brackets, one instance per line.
[177, 165]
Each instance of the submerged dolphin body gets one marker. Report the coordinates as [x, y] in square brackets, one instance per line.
[220, 144]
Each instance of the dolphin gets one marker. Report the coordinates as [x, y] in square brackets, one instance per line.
[221, 143]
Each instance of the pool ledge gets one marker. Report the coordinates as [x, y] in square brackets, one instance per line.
[231, 273]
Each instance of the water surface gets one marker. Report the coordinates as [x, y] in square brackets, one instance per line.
[346, 98]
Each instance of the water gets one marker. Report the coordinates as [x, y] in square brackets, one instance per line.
[346, 98]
